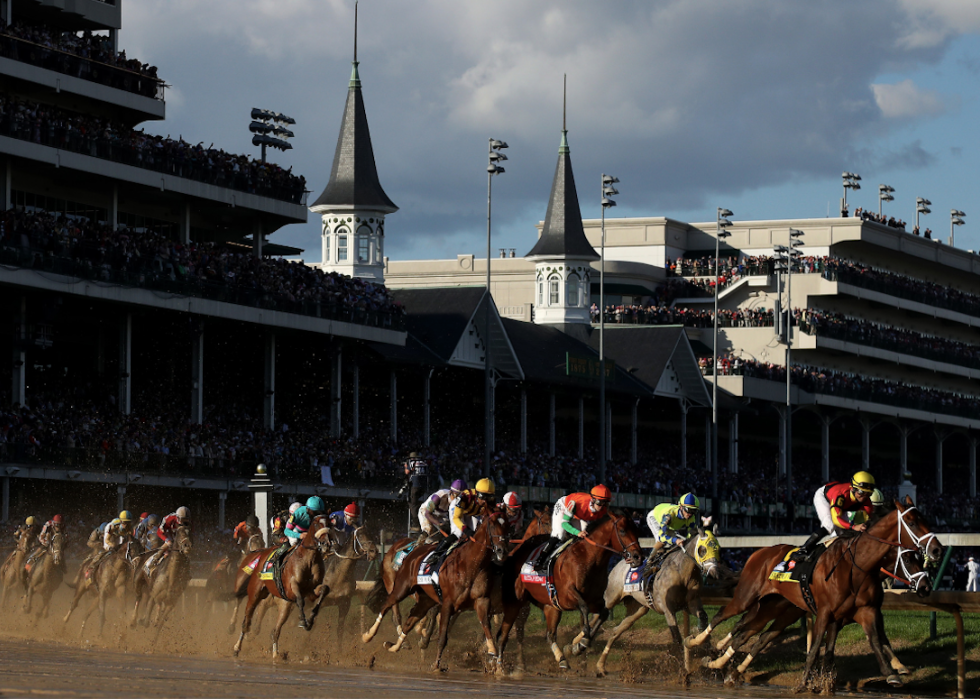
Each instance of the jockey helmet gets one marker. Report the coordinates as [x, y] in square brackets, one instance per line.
[124, 516]
[863, 481]
[144, 516]
[601, 492]
[485, 487]
[413, 455]
[352, 510]
[152, 520]
[295, 506]
[315, 504]
[877, 498]
[252, 521]
[689, 501]
[183, 514]
[512, 500]
[56, 519]
[459, 485]
[30, 521]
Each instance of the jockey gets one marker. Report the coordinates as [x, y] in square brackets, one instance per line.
[26, 534]
[301, 519]
[835, 501]
[47, 531]
[465, 512]
[117, 533]
[168, 527]
[277, 525]
[345, 521]
[146, 531]
[513, 510]
[434, 512]
[245, 531]
[573, 513]
[672, 524]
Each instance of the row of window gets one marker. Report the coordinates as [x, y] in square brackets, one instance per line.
[576, 293]
[362, 247]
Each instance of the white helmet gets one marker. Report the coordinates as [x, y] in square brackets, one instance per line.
[183, 513]
[512, 500]
[295, 506]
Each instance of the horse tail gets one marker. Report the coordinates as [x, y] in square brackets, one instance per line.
[376, 597]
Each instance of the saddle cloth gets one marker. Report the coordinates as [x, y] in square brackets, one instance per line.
[396, 562]
[796, 568]
[633, 580]
[252, 564]
[153, 561]
[429, 571]
[531, 573]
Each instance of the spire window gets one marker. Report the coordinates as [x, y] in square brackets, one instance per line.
[342, 237]
[554, 291]
[364, 244]
[572, 291]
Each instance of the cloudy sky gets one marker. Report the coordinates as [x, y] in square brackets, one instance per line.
[757, 106]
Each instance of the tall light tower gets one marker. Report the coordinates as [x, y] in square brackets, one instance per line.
[955, 219]
[607, 190]
[921, 207]
[885, 193]
[494, 157]
[270, 130]
[721, 223]
[850, 182]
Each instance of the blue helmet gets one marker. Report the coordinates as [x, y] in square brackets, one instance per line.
[689, 501]
[315, 504]
[459, 484]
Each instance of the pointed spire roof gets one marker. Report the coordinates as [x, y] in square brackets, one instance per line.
[563, 234]
[354, 176]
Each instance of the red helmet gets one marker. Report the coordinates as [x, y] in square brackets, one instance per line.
[512, 500]
[144, 516]
[601, 492]
[56, 519]
[353, 510]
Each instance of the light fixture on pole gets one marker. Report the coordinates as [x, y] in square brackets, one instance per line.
[786, 257]
[721, 223]
[607, 190]
[955, 219]
[921, 207]
[270, 130]
[850, 182]
[493, 168]
[884, 194]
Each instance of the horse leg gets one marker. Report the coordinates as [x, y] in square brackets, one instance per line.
[820, 623]
[343, 608]
[482, 608]
[284, 611]
[634, 611]
[445, 617]
[886, 646]
[417, 612]
[300, 604]
[782, 620]
[234, 614]
[79, 591]
[394, 597]
[829, 665]
[742, 600]
[865, 616]
[27, 597]
[138, 591]
[552, 616]
[426, 629]
[253, 602]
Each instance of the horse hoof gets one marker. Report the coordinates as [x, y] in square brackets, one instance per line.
[903, 670]
[894, 680]
[564, 665]
[423, 643]
[600, 672]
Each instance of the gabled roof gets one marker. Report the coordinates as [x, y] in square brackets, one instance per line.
[354, 177]
[562, 234]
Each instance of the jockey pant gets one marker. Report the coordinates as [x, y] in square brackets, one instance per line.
[425, 524]
[822, 506]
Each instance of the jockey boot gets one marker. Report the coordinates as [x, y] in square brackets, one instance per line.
[549, 550]
[423, 537]
[444, 545]
[810, 546]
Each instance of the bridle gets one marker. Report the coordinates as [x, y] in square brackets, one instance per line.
[497, 542]
[921, 544]
[360, 549]
[623, 547]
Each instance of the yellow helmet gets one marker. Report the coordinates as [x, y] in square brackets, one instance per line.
[485, 486]
[31, 521]
[863, 481]
[124, 516]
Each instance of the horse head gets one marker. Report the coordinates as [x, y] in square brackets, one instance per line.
[917, 544]
[320, 533]
[182, 539]
[497, 533]
[627, 539]
[706, 551]
[361, 546]
[57, 544]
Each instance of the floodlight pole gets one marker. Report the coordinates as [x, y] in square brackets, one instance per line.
[487, 415]
[602, 349]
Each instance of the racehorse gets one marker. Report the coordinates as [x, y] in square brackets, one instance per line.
[220, 583]
[46, 574]
[164, 582]
[845, 585]
[465, 582]
[109, 575]
[302, 581]
[12, 572]
[677, 586]
[580, 577]
[904, 565]
[339, 575]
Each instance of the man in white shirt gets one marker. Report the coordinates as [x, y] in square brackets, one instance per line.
[972, 569]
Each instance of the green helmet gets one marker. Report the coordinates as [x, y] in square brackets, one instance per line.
[315, 504]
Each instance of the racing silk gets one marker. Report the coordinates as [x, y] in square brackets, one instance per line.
[339, 522]
[668, 526]
[144, 531]
[168, 527]
[438, 504]
[25, 536]
[299, 523]
[278, 521]
[515, 519]
[44, 538]
[114, 536]
[467, 504]
[841, 503]
[576, 506]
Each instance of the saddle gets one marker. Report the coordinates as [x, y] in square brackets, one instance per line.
[272, 570]
[539, 569]
[797, 567]
[431, 565]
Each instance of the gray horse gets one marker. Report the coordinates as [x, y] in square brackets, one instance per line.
[676, 587]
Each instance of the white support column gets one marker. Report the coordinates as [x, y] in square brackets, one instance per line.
[120, 498]
[581, 427]
[114, 207]
[269, 381]
[825, 448]
[197, 376]
[633, 449]
[357, 402]
[394, 407]
[973, 466]
[608, 431]
[524, 421]
[126, 364]
[18, 377]
[336, 374]
[551, 424]
[427, 408]
[222, 498]
[733, 443]
[685, 406]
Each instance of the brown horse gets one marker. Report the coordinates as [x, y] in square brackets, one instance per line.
[164, 582]
[46, 575]
[12, 571]
[580, 576]
[846, 587]
[302, 581]
[339, 575]
[219, 586]
[107, 576]
[465, 582]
